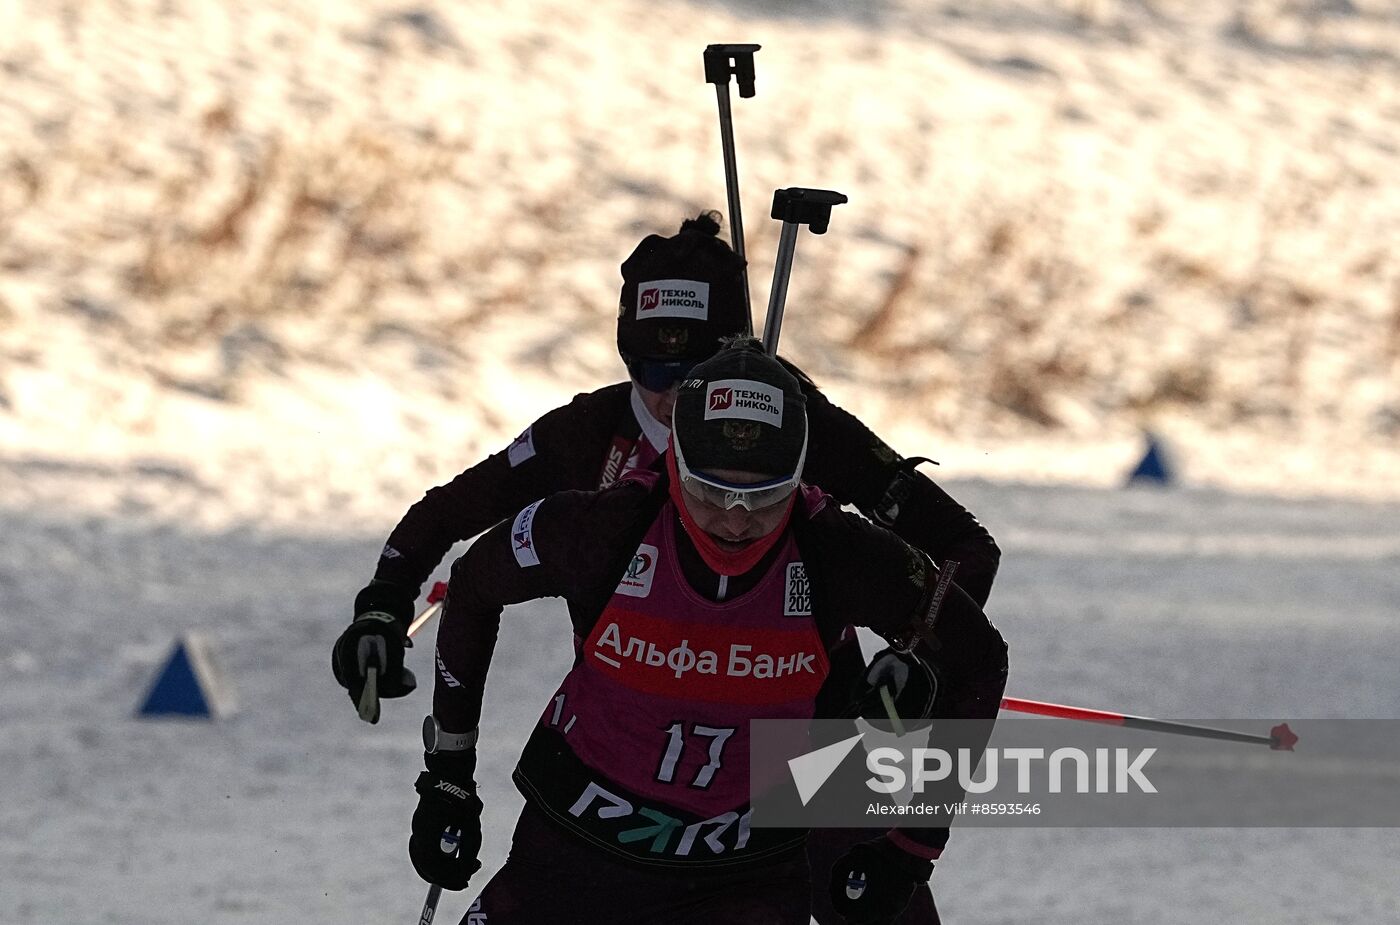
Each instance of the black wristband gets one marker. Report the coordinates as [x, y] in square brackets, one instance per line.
[456, 766]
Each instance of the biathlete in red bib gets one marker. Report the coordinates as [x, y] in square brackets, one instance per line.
[680, 295]
[702, 597]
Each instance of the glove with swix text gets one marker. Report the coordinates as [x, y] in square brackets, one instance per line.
[446, 835]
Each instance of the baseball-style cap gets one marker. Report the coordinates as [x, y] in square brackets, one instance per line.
[680, 295]
[740, 411]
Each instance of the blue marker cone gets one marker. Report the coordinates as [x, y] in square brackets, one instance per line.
[187, 685]
[1155, 467]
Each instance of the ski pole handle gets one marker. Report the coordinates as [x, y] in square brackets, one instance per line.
[722, 61]
[449, 844]
[885, 698]
[368, 705]
[793, 206]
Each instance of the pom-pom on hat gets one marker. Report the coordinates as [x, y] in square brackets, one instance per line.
[681, 294]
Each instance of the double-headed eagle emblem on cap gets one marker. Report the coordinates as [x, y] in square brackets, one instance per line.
[672, 341]
[742, 435]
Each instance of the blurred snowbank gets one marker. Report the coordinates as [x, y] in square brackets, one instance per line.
[296, 259]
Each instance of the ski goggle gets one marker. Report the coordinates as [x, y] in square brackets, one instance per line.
[728, 495]
[657, 375]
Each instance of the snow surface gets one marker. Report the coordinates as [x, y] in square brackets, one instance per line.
[270, 268]
[260, 243]
[1186, 604]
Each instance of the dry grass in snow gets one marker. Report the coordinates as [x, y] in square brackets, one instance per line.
[304, 257]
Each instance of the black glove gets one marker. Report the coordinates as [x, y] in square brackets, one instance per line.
[447, 823]
[873, 882]
[910, 681]
[376, 638]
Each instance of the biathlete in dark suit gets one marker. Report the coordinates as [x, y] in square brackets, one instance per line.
[713, 593]
[680, 296]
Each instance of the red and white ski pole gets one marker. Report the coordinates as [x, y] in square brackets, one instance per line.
[436, 596]
[368, 706]
[1280, 737]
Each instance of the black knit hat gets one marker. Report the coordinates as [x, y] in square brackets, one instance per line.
[741, 410]
[681, 294]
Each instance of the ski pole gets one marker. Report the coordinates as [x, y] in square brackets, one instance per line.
[450, 844]
[1280, 737]
[793, 206]
[436, 596]
[796, 206]
[368, 705]
[722, 61]
[430, 905]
